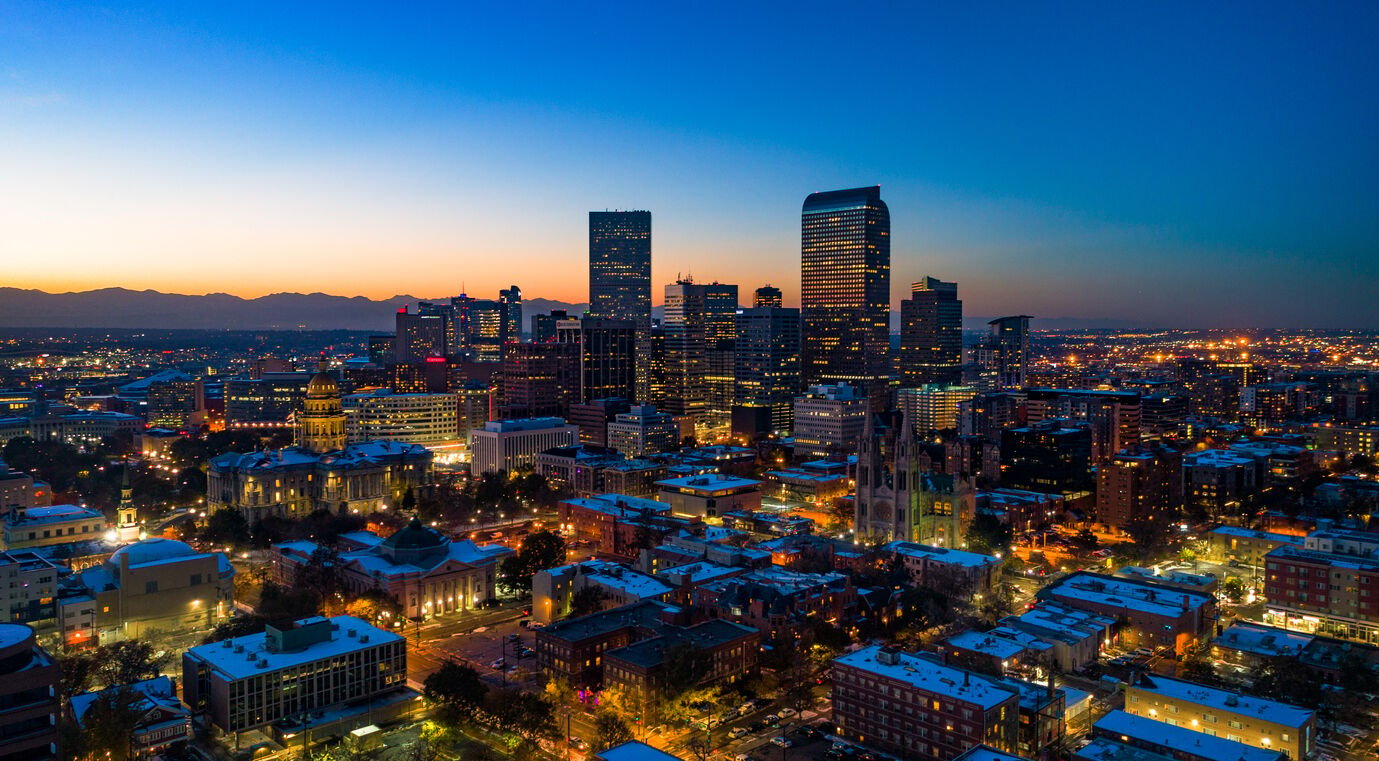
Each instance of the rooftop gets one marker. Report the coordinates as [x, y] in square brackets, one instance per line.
[240, 657]
[634, 751]
[1226, 701]
[930, 676]
[1262, 640]
[1246, 533]
[1180, 739]
[988, 644]
[709, 482]
[1144, 596]
[988, 753]
[941, 554]
[54, 514]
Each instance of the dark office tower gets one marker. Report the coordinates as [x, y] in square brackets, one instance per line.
[767, 296]
[593, 418]
[699, 326]
[607, 356]
[845, 304]
[419, 337]
[381, 349]
[931, 335]
[543, 325]
[511, 299]
[620, 275]
[1007, 354]
[767, 365]
[538, 380]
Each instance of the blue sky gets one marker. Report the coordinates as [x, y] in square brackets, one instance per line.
[1169, 164]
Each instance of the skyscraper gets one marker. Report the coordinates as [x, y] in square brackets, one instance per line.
[420, 337]
[931, 335]
[511, 298]
[700, 323]
[845, 302]
[620, 274]
[767, 362]
[1007, 352]
[607, 356]
[767, 296]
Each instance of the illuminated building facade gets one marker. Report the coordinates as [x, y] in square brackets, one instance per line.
[845, 299]
[931, 334]
[620, 279]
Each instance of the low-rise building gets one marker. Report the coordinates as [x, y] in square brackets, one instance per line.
[621, 526]
[808, 486]
[1180, 743]
[643, 431]
[161, 722]
[1077, 636]
[341, 667]
[554, 590]
[1199, 582]
[151, 584]
[907, 704]
[783, 604]
[56, 524]
[1245, 546]
[506, 445]
[1322, 593]
[28, 587]
[1251, 645]
[729, 649]
[767, 525]
[422, 568]
[381, 415]
[1150, 614]
[1262, 723]
[945, 569]
[710, 495]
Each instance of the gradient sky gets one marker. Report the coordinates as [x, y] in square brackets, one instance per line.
[1197, 164]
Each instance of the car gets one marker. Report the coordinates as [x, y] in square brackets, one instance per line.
[742, 757]
[807, 732]
[578, 744]
[480, 630]
[786, 713]
[825, 727]
[866, 755]
[526, 654]
[782, 741]
[497, 664]
[514, 637]
[757, 726]
[772, 719]
[737, 732]
[746, 708]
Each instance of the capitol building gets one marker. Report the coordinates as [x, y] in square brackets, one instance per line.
[322, 471]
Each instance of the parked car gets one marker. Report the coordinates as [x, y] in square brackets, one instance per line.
[781, 741]
[737, 732]
[786, 713]
[757, 726]
[578, 744]
[772, 719]
[497, 664]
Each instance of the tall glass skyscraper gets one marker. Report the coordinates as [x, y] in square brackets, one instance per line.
[931, 335]
[845, 301]
[620, 276]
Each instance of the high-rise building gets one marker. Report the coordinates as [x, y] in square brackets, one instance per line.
[381, 415]
[29, 706]
[511, 298]
[931, 334]
[1140, 484]
[594, 416]
[1006, 354]
[700, 320]
[845, 301]
[506, 445]
[543, 325]
[642, 430]
[539, 379]
[767, 296]
[1113, 416]
[420, 336]
[481, 326]
[767, 360]
[933, 407]
[608, 353]
[620, 277]
[828, 421]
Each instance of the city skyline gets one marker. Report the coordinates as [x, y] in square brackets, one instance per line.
[245, 151]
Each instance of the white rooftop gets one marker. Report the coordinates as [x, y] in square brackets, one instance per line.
[238, 658]
[1226, 701]
[931, 676]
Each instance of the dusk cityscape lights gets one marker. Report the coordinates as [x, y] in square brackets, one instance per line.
[711, 383]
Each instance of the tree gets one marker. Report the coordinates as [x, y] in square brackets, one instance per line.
[685, 666]
[539, 551]
[236, 626]
[588, 600]
[227, 526]
[1147, 533]
[988, 534]
[128, 661]
[375, 605]
[280, 604]
[109, 722]
[610, 730]
[1234, 589]
[1197, 668]
[456, 687]
[1086, 540]
[523, 714]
